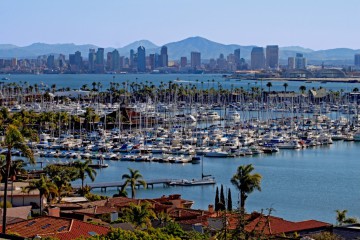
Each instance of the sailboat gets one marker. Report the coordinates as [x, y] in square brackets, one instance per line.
[204, 180]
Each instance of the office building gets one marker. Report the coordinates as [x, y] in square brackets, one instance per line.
[183, 62]
[115, 60]
[92, 58]
[291, 63]
[131, 60]
[300, 61]
[195, 60]
[163, 57]
[50, 61]
[100, 56]
[357, 60]
[257, 58]
[141, 59]
[272, 57]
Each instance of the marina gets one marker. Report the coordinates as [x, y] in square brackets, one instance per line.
[288, 138]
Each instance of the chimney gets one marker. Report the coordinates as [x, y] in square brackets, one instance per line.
[211, 208]
[54, 212]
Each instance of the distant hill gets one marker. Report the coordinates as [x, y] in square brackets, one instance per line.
[209, 49]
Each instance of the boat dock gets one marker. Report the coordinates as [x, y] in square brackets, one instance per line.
[149, 183]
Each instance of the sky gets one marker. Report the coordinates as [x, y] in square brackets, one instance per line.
[315, 24]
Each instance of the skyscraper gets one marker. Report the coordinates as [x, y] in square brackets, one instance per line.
[257, 58]
[183, 62]
[195, 60]
[291, 63]
[272, 56]
[163, 57]
[131, 61]
[50, 61]
[115, 58]
[99, 62]
[141, 59]
[92, 58]
[357, 60]
[237, 57]
[300, 61]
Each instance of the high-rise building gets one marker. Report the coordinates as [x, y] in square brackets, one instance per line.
[163, 57]
[50, 61]
[132, 56]
[357, 60]
[272, 56]
[183, 62]
[78, 59]
[257, 58]
[92, 58]
[141, 59]
[300, 61]
[109, 66]
[152, 61]
[115, 58]
[100, 56]
[291, 63]
[195, 60]
[237, 57]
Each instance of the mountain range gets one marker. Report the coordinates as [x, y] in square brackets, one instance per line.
[209, 49]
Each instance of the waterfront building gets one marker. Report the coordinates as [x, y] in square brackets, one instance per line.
[91, 59]
[99, 62]
[75, 61]
[257, 58]
[221, 63]
[183, 62]
[195, 60]
[115, 60]
[50, 61]
[131, 59]
[357, 60]
[272, 56]
[300, 61]
[291, 63]
[237, 57]
[141, 59]
[164, 59]
[109, 61]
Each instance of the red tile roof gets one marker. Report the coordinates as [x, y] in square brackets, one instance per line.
[61, 228]
[271, 225]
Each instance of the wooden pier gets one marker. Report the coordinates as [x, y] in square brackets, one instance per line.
[149, 183]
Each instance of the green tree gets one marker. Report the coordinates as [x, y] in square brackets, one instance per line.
[246, 182]
[342, 219]
[217, 200]
[13, 139]
[229, 201]
[140, 215]
[45, 187]
[269, 85]
[222, 199]
[83, 170]
[133, 179]
[285, 85]
[302, 89]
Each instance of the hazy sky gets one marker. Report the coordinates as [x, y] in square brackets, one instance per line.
[316, 24]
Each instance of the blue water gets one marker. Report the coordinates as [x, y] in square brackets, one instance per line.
[299, 185]
[75, 81]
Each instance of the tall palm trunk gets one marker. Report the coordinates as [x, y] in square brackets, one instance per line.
[8, 162]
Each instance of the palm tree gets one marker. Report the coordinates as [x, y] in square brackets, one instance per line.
[13, 139]
[140, 215]
[269, 85]
[246, 182]
[45, 187]
[285, 85]
[83, 170]
[342, 219]
[355, 90]
[133, 179]
[302, 89]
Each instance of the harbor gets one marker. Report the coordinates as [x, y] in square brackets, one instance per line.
[174, 137]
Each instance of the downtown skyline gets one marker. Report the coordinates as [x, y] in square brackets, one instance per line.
[316, 25]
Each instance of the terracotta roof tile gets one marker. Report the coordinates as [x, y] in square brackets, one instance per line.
[60, 228]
